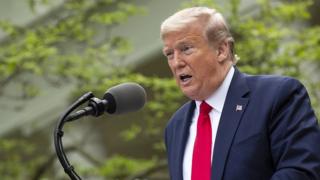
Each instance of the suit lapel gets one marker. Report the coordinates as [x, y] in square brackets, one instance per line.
[233, 109]
[185, 125]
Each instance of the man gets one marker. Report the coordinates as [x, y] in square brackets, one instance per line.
[236, 126]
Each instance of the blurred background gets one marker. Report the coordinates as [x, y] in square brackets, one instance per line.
[54, 51]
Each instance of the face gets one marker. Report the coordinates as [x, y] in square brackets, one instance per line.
[197, 67]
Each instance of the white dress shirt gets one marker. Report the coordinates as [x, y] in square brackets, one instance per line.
[216, 101]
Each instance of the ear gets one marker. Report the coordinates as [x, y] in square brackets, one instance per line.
[223, 51]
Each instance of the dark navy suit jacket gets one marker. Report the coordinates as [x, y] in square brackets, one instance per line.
[275, 136]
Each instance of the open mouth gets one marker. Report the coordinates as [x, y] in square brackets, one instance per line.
[185, 77]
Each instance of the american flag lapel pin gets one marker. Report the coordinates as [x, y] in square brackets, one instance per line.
[238, 108]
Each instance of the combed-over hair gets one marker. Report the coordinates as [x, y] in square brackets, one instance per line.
[215, 28]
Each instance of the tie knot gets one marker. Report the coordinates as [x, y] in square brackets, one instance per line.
[205, 108]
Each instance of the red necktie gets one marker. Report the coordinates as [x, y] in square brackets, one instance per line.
[201, 159]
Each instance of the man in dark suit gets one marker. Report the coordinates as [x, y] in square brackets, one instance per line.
[236, 126]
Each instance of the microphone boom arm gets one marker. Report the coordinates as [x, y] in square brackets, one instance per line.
[58, 133]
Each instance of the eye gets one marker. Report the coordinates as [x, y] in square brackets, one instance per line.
[169, 54]
[187, 49]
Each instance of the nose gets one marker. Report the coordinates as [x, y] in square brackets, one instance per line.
[178, 60]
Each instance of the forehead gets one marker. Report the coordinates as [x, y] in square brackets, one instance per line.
[191, 33]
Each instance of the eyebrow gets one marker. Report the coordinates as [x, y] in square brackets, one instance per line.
[184, 43]
[178, 44]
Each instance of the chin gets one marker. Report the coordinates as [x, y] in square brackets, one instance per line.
[190, 95]
[193, 96]
[189, 91]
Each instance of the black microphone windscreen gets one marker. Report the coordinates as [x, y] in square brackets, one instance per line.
[125, 97]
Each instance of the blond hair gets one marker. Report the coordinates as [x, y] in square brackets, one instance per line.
[215, 28]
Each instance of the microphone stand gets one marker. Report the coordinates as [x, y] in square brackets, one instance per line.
[96, 107]
[58, 133]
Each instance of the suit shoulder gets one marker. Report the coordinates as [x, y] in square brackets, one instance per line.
[269, 82]
[278, 91]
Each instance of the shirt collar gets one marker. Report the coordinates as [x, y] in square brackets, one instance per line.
[217, 99]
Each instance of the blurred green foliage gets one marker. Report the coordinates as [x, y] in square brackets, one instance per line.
[76, 44]
[119, 167]
[17, 158]
[64, 46]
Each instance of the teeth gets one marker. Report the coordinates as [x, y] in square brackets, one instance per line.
[185, 77]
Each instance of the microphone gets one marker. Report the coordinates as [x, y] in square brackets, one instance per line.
[126, 97]
[122, 98]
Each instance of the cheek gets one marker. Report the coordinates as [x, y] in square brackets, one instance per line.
[171, 67]
[205, 70]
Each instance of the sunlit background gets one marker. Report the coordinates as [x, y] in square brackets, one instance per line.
[53, 51]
